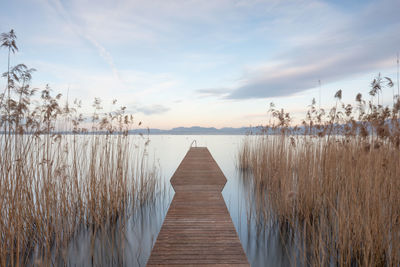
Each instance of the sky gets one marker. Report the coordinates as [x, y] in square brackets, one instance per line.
[205, 63]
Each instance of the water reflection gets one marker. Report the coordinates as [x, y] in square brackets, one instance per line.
[129, 243]
[264, 241]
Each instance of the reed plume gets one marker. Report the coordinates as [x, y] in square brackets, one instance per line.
[333, 182]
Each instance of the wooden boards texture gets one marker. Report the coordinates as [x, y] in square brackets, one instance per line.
[198, 229]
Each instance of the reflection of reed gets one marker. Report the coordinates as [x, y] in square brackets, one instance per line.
[332, 200]
[335, 202]
[332, 185]
[128, 242]
[263, 231]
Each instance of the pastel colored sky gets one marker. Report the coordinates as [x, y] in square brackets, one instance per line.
[206, 63]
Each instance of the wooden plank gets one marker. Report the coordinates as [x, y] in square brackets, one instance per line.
[198, 171]
[198, 229]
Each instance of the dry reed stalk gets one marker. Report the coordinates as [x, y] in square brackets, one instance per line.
[53, 185]
[339, 193]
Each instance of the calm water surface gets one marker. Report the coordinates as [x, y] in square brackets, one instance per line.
[263, 245]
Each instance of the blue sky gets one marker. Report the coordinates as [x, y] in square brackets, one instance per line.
[207, 63]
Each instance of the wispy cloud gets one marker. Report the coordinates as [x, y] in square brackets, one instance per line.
[58, 7]
[212, 92]
[367, 42]
[157, 53]
[152, 109]
[85, 84]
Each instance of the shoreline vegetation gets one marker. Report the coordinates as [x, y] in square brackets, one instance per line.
[335, 191]
[55, 186]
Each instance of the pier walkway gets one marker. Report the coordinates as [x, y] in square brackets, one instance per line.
[198, 229]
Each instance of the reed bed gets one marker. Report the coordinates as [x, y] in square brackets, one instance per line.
[333, 184]
[62, 173]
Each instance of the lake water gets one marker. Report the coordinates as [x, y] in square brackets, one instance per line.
[263, 245]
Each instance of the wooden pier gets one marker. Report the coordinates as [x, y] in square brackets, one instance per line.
[198, 229]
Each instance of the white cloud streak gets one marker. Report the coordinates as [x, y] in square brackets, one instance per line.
[58, 7]
[364, 43]
[151, 110]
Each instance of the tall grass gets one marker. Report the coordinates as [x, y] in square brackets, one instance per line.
[54, 185]
[332, 184]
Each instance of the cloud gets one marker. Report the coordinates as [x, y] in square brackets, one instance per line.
[85, 84]
[367, 42]
[152, 110]
[58, 7]
[303, 41]
[212, 92]
[163, 22]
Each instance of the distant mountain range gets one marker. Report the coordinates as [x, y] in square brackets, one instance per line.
[338, 129]
[197, 130]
